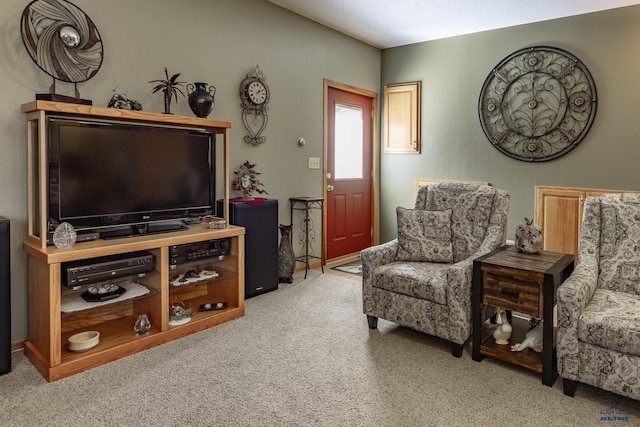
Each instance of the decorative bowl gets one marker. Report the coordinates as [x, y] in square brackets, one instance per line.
[84, 340]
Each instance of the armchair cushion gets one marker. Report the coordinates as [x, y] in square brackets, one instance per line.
[471, 207]
[424, 236]
[612, 320]
[414, 279]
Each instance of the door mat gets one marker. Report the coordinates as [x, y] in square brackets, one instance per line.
[353, 267]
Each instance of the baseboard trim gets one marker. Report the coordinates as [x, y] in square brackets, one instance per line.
[302, 267]
[18, 345]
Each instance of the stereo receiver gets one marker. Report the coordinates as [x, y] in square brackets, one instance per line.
[179, 254]
[84, 272]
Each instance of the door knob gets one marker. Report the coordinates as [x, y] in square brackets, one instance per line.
[329, 187]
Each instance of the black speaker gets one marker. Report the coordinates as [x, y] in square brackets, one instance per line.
[5, 298]
[260, 220]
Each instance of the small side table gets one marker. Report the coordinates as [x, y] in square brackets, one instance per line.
[306, 204]
[525, 283]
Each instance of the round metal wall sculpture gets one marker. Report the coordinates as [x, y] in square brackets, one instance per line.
[537, 104]
[62, 40]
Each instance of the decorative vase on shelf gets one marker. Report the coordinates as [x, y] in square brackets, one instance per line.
[64, 236]
[286, 256]
[528, 237]
[142, 325]
[201, 99]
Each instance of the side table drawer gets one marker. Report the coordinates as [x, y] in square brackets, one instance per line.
[512, 294]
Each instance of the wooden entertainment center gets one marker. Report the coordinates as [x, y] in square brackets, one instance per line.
[49, 327]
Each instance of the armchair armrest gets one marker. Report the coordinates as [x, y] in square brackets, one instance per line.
[372, 258]
[572, 298]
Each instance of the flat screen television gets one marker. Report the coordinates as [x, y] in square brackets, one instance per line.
[123, 179]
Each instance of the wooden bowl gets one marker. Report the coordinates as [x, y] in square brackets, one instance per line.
[84, 340]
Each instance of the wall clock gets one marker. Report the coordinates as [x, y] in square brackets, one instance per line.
[254, 94]
[537, 104]
[246, 180]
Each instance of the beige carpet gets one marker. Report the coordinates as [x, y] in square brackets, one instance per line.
[302, 356]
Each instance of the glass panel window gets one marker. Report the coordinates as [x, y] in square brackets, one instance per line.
[348, 142]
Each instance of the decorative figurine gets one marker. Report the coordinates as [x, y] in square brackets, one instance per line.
[178, 314]
[65, 236]
[286, 256]
[532, 340]
[503, 332]
[528, 237]
[142, 325]
[121, 102]
[170, 87]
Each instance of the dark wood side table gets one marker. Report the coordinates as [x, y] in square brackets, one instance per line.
[524, 283]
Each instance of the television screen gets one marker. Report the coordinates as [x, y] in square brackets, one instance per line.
[105, 173]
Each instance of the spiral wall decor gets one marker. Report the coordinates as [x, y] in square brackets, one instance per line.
[62, 40]
[537, 104]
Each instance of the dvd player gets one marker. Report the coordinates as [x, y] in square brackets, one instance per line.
[85, 272]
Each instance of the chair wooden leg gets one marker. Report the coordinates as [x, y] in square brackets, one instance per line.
[456, 349]
[569, 387]
[373, 321]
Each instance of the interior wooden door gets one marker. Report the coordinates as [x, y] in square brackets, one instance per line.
[348, 173]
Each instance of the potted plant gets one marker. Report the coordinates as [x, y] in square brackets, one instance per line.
[170, 87]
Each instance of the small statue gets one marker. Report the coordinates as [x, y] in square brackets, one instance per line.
[178, 314]
[532, 340]
[286, 256]
[503, 332]
[528, 237]
[142, 325]
[121, 102]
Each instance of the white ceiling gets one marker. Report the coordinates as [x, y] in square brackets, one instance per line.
[389, 23]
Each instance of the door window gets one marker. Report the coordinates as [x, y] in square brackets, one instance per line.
[348, 142]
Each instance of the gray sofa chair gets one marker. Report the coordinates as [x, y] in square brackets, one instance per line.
[599, 304]
[422, 279]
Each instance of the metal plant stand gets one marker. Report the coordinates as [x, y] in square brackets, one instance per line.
[307, 233]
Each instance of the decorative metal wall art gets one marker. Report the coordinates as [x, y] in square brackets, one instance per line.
[64, 42]
[537, 104]
[254, 94]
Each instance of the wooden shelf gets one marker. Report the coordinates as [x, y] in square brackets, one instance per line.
[49, 329]
[528, 358]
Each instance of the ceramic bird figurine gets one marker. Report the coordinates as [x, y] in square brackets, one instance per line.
[532, 340]
[503, 332]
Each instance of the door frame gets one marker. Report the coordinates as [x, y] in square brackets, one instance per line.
[375, 159]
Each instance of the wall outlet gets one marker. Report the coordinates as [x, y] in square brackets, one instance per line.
[314, 163]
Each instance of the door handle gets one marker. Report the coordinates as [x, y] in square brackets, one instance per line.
[329, 187]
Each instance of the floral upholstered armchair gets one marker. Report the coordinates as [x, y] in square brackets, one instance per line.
[599, 304]
[422, 279]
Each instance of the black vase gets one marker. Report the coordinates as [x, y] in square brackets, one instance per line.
[201, 99]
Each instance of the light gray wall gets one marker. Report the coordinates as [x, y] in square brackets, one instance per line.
[452, 72]
[215, 41]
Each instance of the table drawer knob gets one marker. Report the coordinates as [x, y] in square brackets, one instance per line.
[510, 293]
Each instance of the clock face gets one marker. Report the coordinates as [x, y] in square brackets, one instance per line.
[256, 92]
[245, 181]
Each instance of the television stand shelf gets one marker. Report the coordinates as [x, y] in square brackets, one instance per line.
[49, 328]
